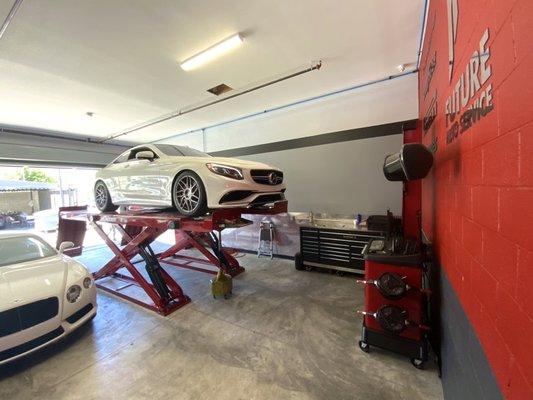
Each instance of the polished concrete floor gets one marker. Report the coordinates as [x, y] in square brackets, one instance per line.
[284, 334]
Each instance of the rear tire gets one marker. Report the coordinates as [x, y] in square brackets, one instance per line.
[102, 198]
[188, 195]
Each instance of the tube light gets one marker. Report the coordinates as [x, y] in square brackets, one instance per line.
[212, 52]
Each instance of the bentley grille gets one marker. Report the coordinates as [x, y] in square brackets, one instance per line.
[24, 317]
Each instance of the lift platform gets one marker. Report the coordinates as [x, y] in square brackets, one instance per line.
[140, 228]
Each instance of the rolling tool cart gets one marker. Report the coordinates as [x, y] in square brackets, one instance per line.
[337, 248]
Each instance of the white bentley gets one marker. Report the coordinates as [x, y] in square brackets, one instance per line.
[163, 175]
[44, 294]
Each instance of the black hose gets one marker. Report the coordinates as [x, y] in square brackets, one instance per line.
[153, 268]
[215, 246]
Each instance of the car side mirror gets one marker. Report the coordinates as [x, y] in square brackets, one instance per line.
[65, 246]
[145, 155]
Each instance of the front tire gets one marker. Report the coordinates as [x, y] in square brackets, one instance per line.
[102, 198]
[188, 195]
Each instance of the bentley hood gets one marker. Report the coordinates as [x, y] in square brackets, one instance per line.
[26, 282]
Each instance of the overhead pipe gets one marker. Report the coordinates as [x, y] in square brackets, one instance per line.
[211, 103]
[422, 33]
[10, 17]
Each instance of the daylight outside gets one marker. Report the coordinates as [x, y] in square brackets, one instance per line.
[30, 197]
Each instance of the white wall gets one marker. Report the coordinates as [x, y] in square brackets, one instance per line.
[339, 178]
[389, 101]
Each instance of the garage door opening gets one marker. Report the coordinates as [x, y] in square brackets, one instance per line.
[30, 197]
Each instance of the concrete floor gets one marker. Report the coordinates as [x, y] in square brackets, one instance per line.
[284, 334]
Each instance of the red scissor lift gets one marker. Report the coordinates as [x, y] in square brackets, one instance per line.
[139, 229]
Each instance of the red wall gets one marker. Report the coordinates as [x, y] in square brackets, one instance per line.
[478, 203]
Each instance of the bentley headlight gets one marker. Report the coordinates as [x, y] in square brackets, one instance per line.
[87, 282]
[73, 293]
[225, 170]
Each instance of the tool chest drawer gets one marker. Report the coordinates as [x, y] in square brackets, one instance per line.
[335, 248]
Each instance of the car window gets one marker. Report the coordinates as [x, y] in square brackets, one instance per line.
[122, 158]
[19, 249]
[171, 150]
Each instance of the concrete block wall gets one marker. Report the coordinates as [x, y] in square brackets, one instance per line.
[476, 205]
[18, 201]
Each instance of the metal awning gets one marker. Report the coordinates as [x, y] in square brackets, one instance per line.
[24, 186]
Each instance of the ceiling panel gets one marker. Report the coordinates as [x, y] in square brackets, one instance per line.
[120, 59]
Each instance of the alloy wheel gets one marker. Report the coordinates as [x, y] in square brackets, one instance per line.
[187, 194]
[100, 196]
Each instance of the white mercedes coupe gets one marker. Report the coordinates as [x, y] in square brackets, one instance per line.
[44, 294]
[163, 175]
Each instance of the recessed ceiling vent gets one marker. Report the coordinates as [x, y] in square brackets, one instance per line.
[220, 89]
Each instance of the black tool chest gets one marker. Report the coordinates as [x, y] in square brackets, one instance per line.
[338, 249]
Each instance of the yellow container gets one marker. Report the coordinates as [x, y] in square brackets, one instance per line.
[222, 285]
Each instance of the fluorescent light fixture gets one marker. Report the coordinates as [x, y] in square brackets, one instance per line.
[212, 52]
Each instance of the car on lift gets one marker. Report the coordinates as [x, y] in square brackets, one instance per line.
[44, 294]
[164, 175]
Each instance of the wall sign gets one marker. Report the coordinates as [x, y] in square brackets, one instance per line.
[468, 90]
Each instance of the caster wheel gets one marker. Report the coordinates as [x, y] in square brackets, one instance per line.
[364, 346]
[225, 296]
[417, 363]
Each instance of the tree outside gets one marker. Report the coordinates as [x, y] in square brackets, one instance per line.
[33, 175]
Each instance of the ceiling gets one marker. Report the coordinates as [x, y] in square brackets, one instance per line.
[120, 59]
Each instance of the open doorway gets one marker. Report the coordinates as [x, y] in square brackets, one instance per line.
[30, 197]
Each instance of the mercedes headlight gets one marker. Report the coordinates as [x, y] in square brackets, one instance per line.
[73, 293]
[225, 170]
[87, 282]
